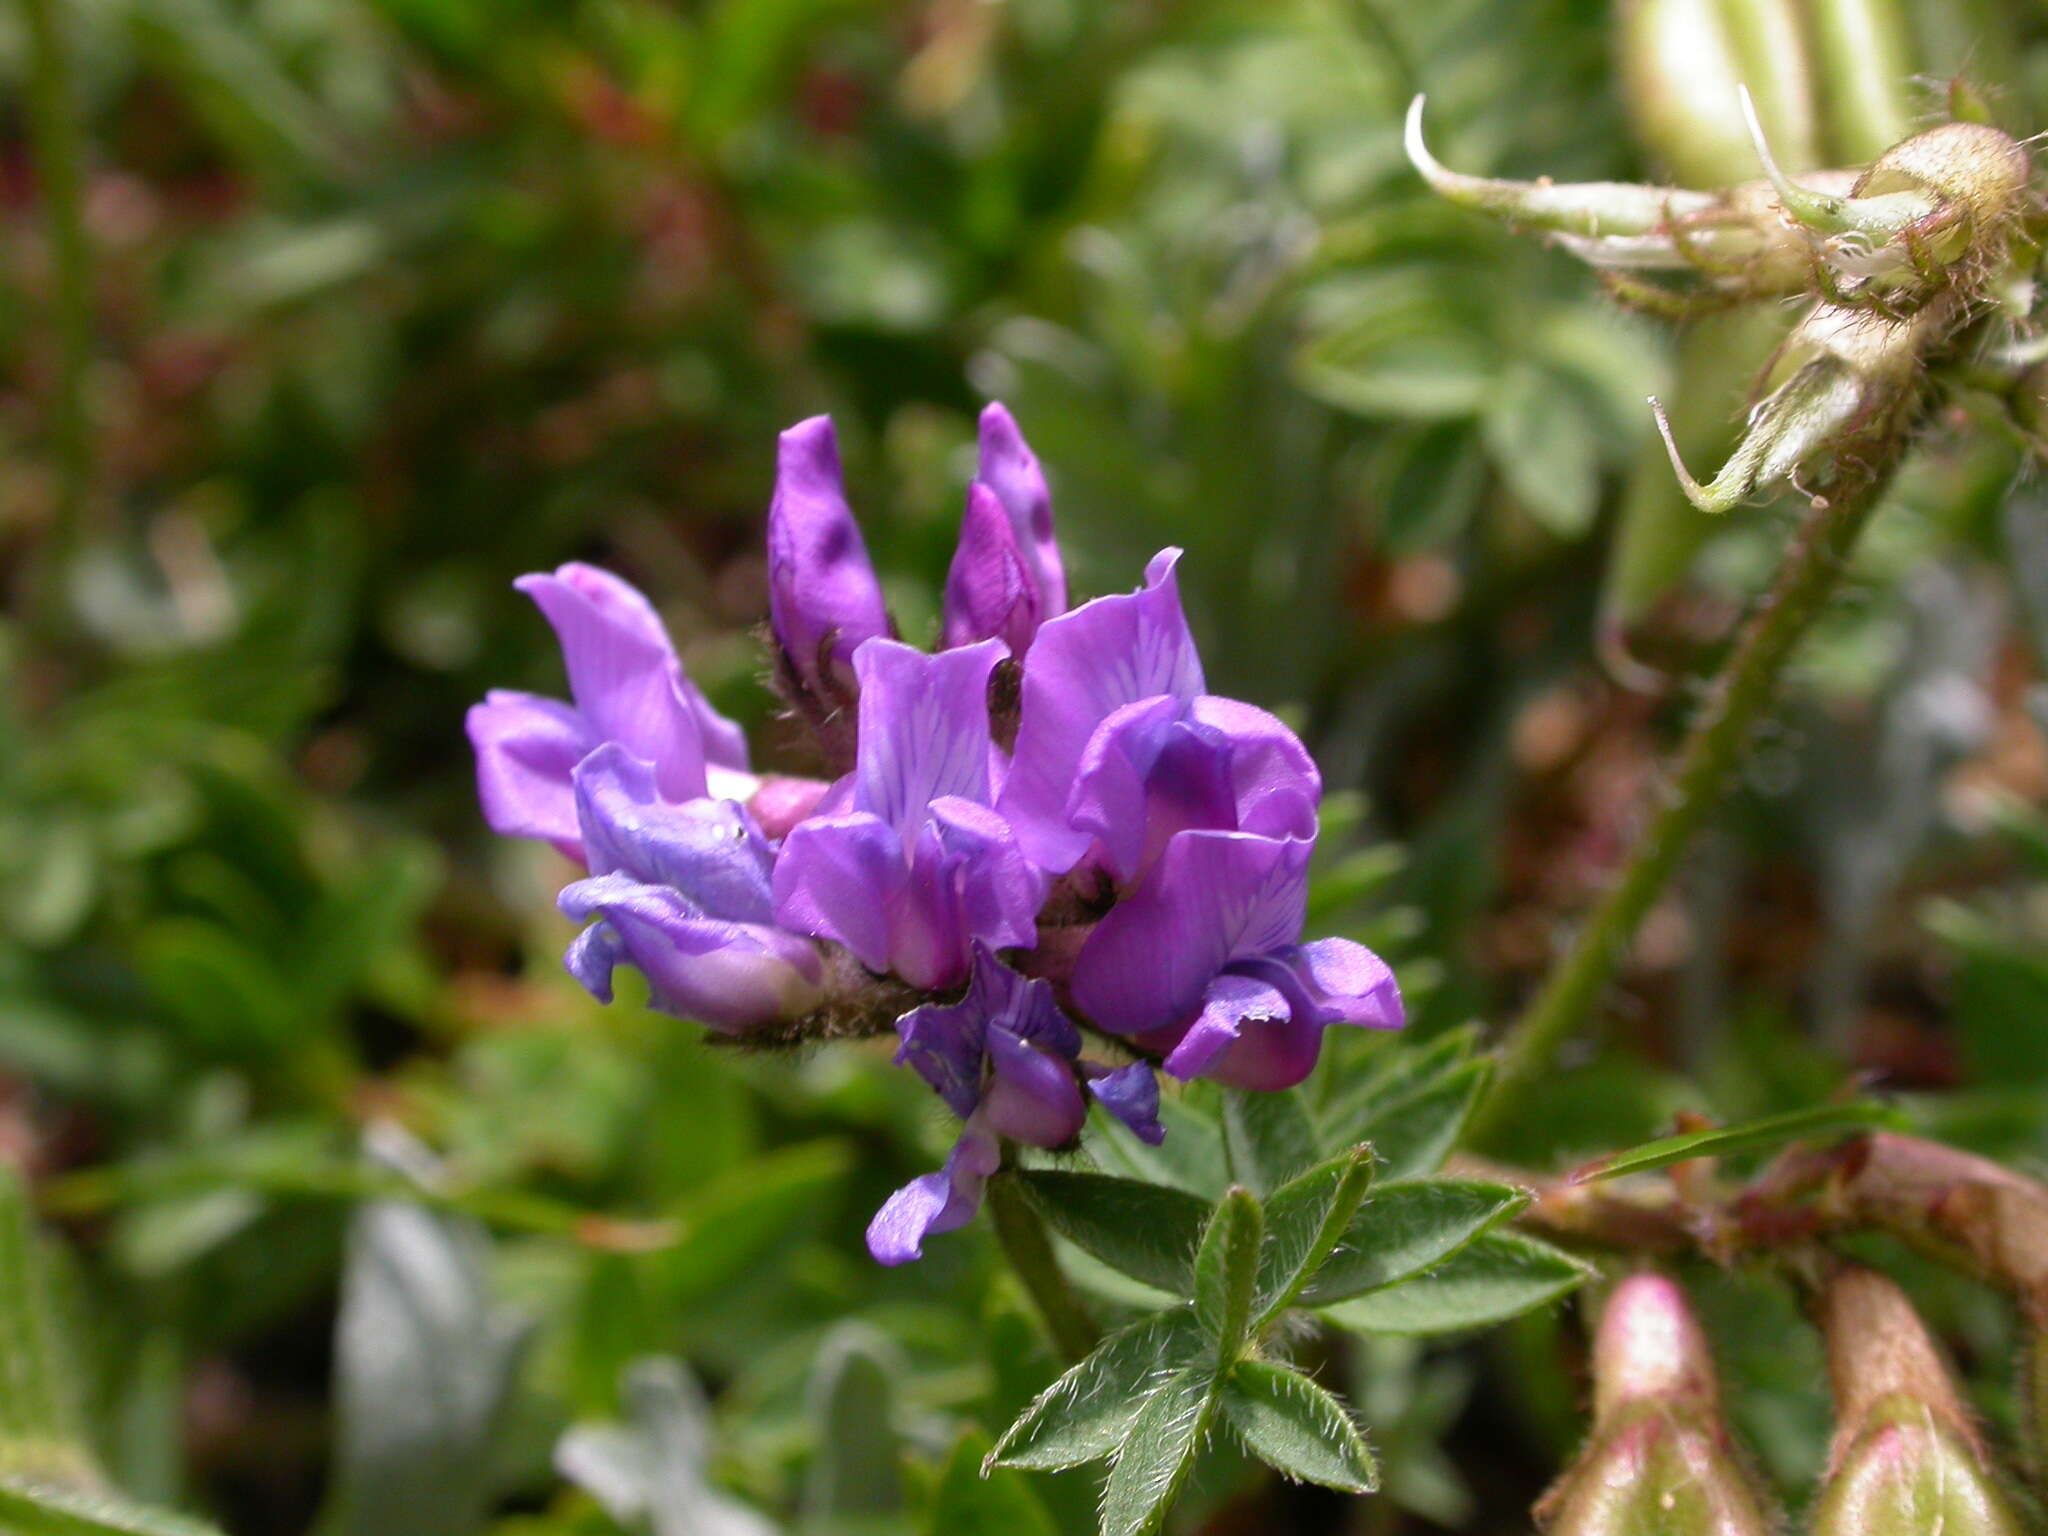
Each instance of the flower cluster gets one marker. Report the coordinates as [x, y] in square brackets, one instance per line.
[1047, 819]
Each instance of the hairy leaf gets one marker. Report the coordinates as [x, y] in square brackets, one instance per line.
[1268, 1137]
[1495, 1277]
[1405, 1227]
[1144, 1230]
[1291, 1424]
[1084, 1415]
[1156, 1456]
[1227, 1269]
[1305, 1220]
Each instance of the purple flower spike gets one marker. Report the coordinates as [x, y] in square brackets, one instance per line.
[627, 687]
[1084, 666]
[823, 598]
[990, 591]
[918, 866]
[1004, 1050]
[1010, 469]
[681, 891]
[935, 1202]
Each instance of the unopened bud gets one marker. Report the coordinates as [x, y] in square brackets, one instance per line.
[1660, 1458]
[1905, 1460]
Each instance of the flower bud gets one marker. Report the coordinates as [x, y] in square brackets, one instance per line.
[1905, 1460]
[823, 597]
[1659, 1459]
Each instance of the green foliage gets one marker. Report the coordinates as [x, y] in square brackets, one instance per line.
[1418, 1256]
[391, 300]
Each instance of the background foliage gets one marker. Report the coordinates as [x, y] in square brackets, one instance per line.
[365, 1219]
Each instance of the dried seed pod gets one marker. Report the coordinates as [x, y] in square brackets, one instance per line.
[1842, 372]
[1659, 1458]
[1905, 1460]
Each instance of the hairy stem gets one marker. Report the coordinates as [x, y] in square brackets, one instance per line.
[59, 164]
[1706, 763]
[1025, 1244]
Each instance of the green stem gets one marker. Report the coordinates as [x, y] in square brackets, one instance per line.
[60, 177]
[1745, 686]
[1025, 1244]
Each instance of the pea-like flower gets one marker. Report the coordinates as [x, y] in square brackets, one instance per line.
[682, 891]
[627, 687]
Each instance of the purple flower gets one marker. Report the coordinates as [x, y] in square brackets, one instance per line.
[1005, 1059]
[1004, 1051]
[1010, 469]
[1202, 811]
[936, 1202]
[627, 687]
[990, 591]
[1084, 666]
[917, 866]
[823, 598]
[683, 892]
[1202, 962]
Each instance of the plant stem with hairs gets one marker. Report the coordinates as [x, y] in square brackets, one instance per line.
[1713, 749]
[59, 162]
[1025, 1244]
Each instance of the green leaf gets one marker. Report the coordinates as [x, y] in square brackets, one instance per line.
[1143, 1230]
[1226, 1269]
[1412, 1112]
[1751, 1136]
[1294, 1426]
[40, 1432]
[1268, 1137]
[1406, 1227]
[1539, 435]
[1190, 1158]
[737, 1219]
[856, 1466]
[650, 1471]
[1086, 1413]
[1494, 1277]
[32, 1508]
[1304, 1221]
[424, 1363]
[1001, 1504]
[1156, 1456]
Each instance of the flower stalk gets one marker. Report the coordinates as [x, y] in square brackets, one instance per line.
[1022, 1236]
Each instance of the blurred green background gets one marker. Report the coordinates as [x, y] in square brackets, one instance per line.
[323, 319]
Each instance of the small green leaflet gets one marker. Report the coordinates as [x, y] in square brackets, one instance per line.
[1156, 1455]
[1085, 1414]
[1751, 1136]
[1495, 1277]
[1227, 1269]
[1146, 1231]
[32, 1508]
[1404, 1228]
[1291, 1424]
